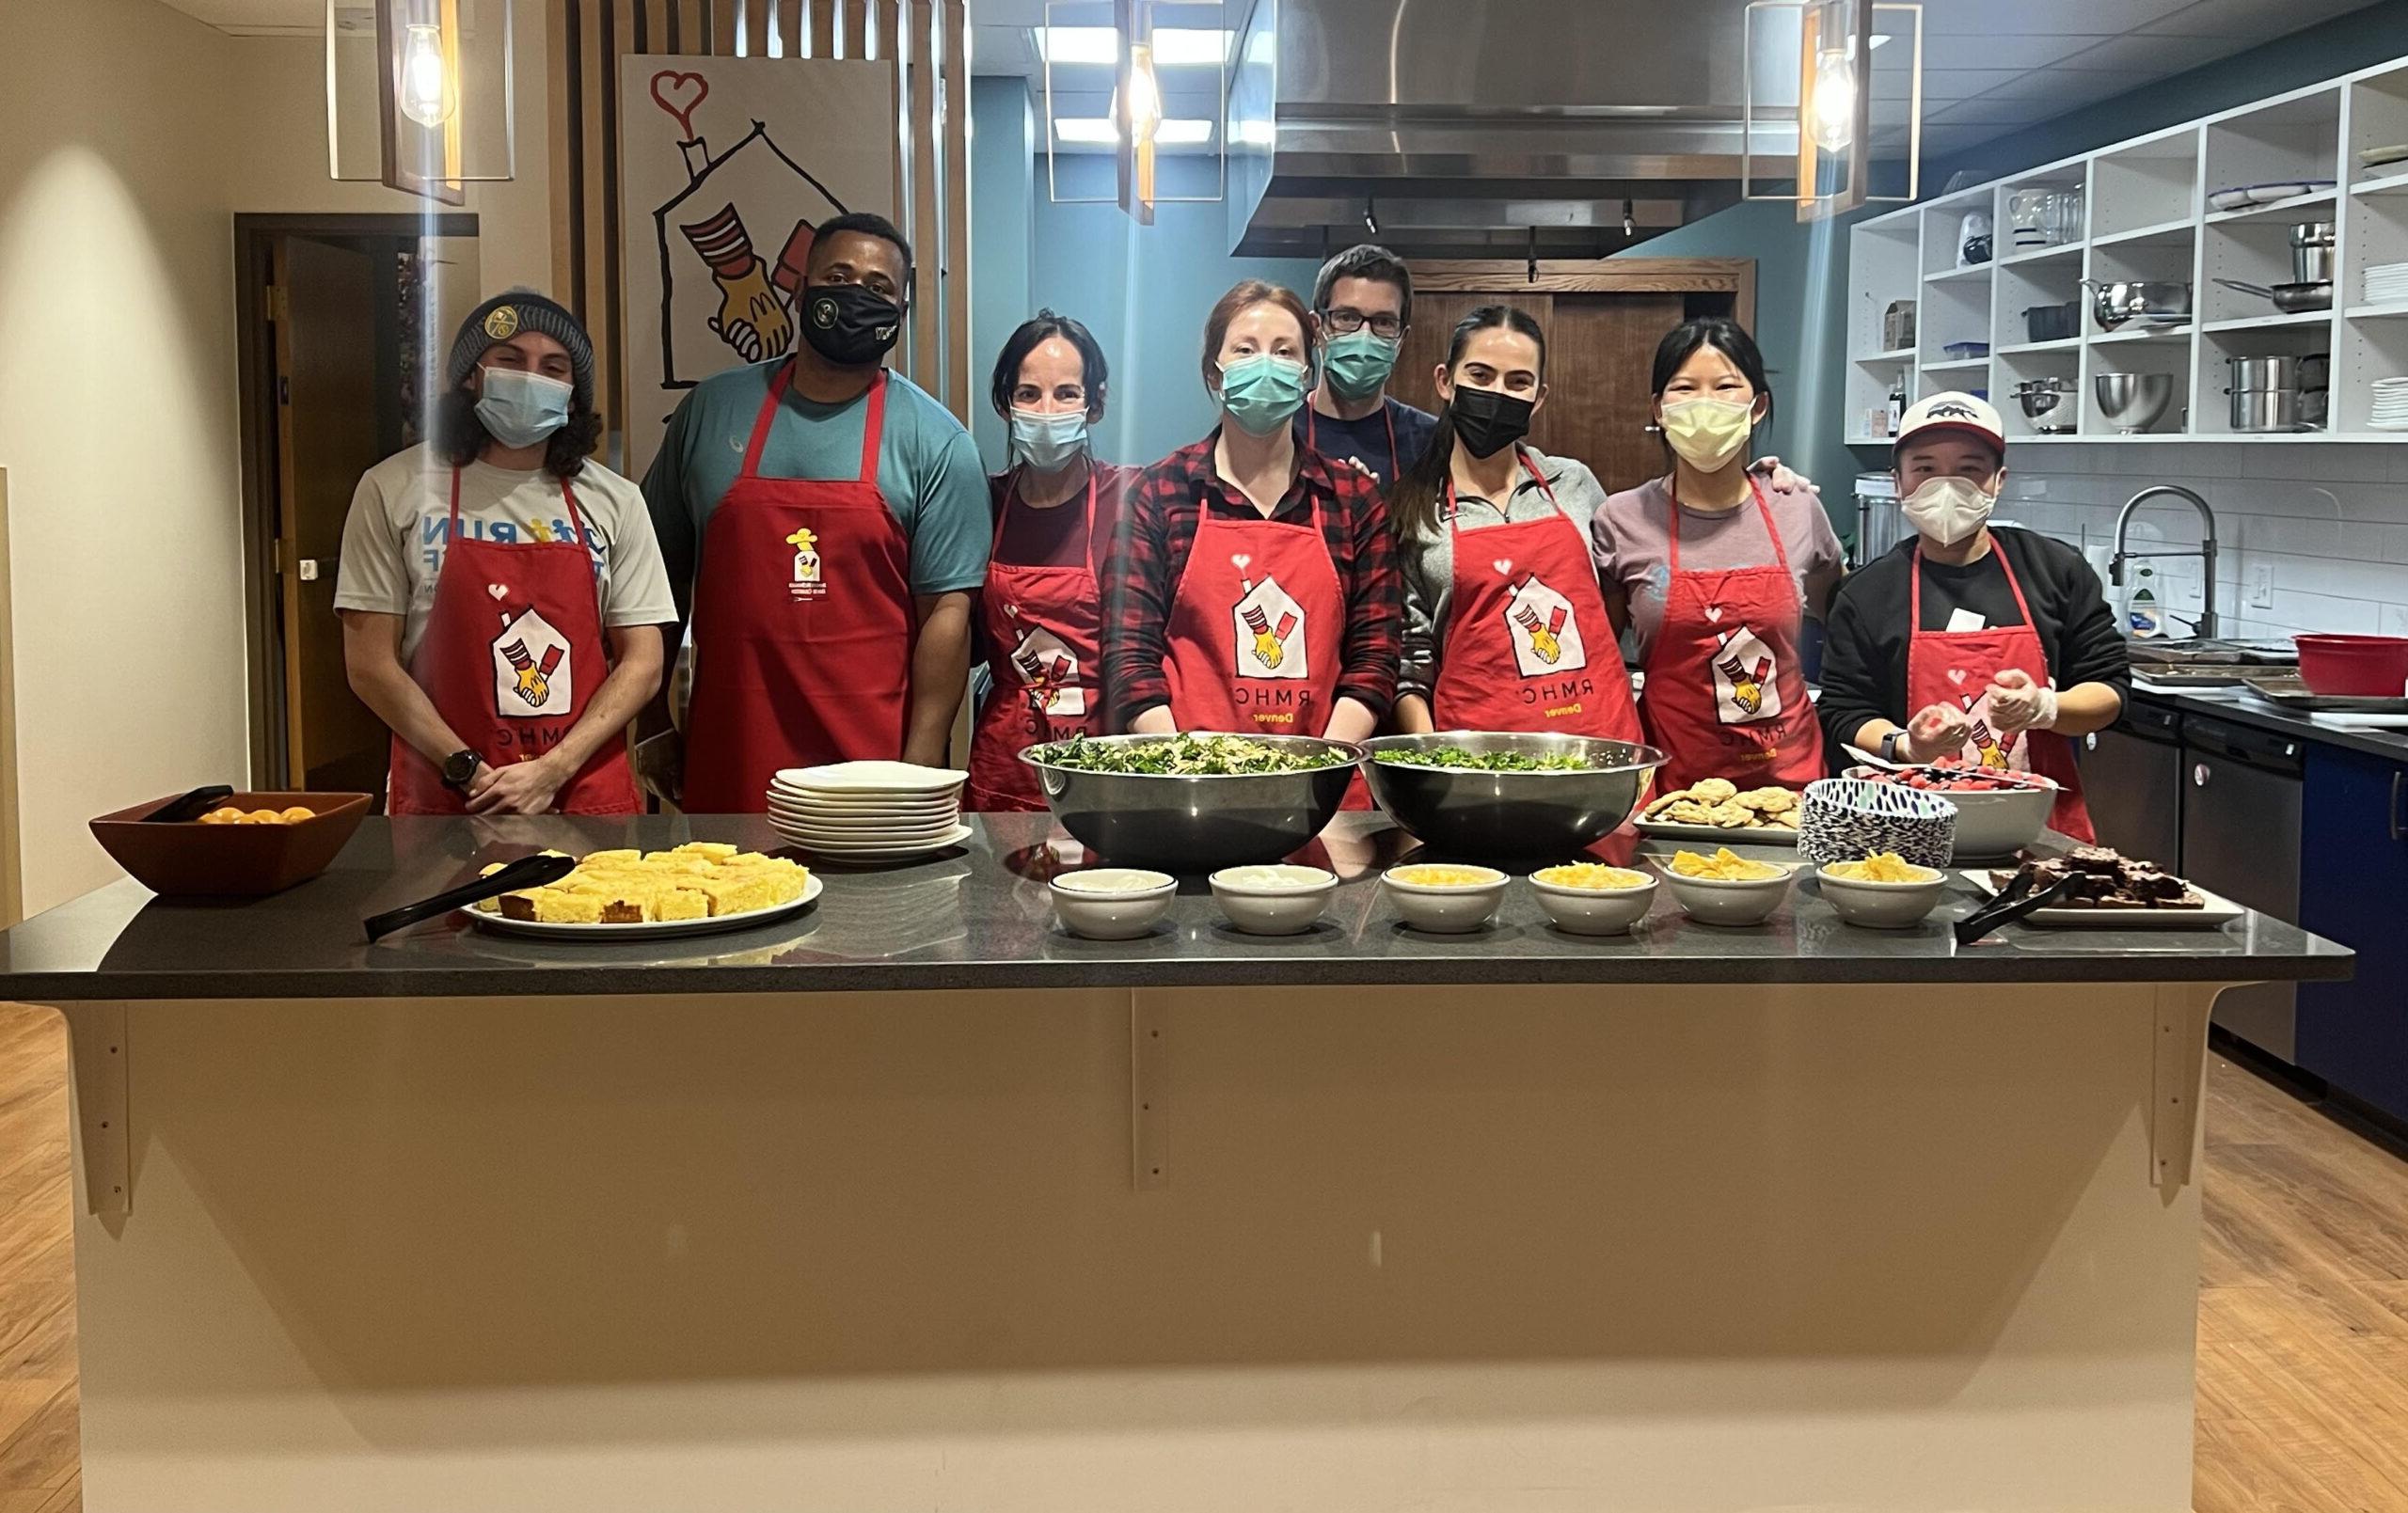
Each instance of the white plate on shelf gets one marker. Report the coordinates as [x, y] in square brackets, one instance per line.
[847, 851]
[2218, 911]
[1766, 835]
[646, 929]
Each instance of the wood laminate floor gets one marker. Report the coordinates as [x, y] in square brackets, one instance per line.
[2303, 1303]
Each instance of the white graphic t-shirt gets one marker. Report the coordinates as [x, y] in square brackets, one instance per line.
[394, 540]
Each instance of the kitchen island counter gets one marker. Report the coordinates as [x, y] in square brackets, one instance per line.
[980, 916]
[914, 1202]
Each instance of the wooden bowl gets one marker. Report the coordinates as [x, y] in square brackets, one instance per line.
[192, 860]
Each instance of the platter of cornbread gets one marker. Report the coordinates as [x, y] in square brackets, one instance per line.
[700, 888]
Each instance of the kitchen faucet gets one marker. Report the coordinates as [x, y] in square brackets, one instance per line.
[2206, 626]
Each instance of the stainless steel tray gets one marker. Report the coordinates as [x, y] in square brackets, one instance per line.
[2295, 697]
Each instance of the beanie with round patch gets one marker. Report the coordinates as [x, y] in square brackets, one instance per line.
[504, 315]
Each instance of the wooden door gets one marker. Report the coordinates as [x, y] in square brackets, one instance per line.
[325, 309]
[1601, 350]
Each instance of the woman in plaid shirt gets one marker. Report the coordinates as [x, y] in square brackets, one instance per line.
[1254, 583]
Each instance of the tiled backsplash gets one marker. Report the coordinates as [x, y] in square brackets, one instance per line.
[2327, 523]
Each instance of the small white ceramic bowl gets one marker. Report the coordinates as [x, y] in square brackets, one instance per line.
[1749, 902]
[1593, 910]
[1274, 898]
[1112, 903]
[1881, 905]
[1445, 908]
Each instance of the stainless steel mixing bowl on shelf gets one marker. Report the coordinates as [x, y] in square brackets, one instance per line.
[2133, 403]
[1547, 816]
[1195, 823]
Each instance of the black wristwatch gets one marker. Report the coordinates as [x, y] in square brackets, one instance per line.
[458, 768]
[1894, 747]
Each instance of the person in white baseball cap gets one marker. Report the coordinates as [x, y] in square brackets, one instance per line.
[1968, 645]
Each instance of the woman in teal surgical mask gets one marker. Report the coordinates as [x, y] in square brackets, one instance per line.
[1253, 586]
[1041, 614]
[1362, 308]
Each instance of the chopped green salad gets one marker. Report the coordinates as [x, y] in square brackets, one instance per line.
[1185, 756]
[1447, 756]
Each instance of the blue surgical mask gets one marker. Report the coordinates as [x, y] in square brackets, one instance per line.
[1358, 363]
[521, 408]
[1262, 393]
[1047, 441]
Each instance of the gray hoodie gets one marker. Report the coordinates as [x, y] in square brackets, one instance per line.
[1428, 565]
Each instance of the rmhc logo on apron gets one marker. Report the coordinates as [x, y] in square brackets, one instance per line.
[1050, 671]
[1545, 630]
[1744, 689]
[532, 673]
[1269, 634]
[807, 582]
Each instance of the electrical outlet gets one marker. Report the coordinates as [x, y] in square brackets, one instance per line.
[2395, 620]
[2262, 587]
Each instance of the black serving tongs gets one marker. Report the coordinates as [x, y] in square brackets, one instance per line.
[2016, 900]
[527, 872]
[192, 806]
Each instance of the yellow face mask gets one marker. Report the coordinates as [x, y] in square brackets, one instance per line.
[1707, 434]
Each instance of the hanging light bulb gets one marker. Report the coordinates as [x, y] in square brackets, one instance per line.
[428, 94]
[1144, 94]
[1832, 112]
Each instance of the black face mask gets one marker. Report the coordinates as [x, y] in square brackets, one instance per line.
[1488, 420]
[850, 324]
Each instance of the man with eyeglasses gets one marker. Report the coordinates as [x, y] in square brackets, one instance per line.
[1362, 307]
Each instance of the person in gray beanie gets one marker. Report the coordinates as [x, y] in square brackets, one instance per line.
[502, 592]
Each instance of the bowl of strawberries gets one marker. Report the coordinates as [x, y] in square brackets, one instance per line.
[1999, 811]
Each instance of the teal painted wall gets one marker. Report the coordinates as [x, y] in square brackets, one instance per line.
[1143, 290]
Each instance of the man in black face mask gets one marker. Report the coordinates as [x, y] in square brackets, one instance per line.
[825, 524]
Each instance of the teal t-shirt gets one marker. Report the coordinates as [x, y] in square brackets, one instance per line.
[928, 468]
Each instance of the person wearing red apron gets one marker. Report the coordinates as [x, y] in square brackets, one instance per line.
[1725, 694]
[803, 624]
[509, 677]
[1517, 654]
[1042, 624]
[2020, 656]
[511, 673]
[1229, 615]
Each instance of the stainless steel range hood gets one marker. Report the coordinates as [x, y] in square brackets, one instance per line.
[1485, 127]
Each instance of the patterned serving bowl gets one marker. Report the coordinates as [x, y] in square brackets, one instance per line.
[1848, 819]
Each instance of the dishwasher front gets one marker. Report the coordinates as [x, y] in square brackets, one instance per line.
[2241, 829]
[2131, 778]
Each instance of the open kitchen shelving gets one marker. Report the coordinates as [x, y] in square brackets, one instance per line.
[2147, 216]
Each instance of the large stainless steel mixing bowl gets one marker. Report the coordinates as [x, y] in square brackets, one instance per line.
[1196, 823]
[1510, 815]
[2131, 402]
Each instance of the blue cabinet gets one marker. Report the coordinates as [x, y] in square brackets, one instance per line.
[2353, 888]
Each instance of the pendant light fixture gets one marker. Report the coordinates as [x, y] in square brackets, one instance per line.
[1823, 114]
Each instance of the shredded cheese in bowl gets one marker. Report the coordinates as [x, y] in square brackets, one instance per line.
[1429, 875]
[1724, 866]
[1593, 875]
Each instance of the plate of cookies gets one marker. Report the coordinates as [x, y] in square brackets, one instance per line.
[1718, 809]
[700, 888]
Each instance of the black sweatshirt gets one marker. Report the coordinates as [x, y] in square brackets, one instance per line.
[1864, 651]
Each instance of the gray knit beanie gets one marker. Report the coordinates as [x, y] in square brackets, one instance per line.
[504, 315]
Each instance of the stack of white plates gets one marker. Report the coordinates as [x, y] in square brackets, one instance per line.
[2390, 404]
[2387, 283]
[868, 811]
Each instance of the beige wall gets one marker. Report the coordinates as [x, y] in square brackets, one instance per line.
[130, 136]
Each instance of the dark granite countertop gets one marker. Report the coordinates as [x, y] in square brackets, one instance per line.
[2237, 706]
[979, 915]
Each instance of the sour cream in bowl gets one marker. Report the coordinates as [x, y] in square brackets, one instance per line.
[1272, 898]
[1113, 902]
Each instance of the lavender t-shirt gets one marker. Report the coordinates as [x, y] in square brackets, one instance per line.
[1631, 539]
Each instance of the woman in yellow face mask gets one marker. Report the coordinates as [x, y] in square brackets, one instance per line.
[1711, 571]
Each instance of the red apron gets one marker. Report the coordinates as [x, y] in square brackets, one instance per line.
[803, 624]
[1955, 666]
[512, 657]
[1725, 696]
[1044, 628]
[1516, 651]
[1396, 458]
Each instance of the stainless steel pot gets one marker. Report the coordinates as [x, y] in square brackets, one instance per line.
[2043, 402]
[1540, 816]
[2263, 373]
[2265, 409]
[2112, 304]
[2312, 252]
[1198, 824]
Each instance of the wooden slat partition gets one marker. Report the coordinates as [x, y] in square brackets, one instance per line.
[925, 41]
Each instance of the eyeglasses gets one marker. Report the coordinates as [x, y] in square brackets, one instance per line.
[1346, 322]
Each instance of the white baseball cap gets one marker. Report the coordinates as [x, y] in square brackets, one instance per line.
[1966, 414]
